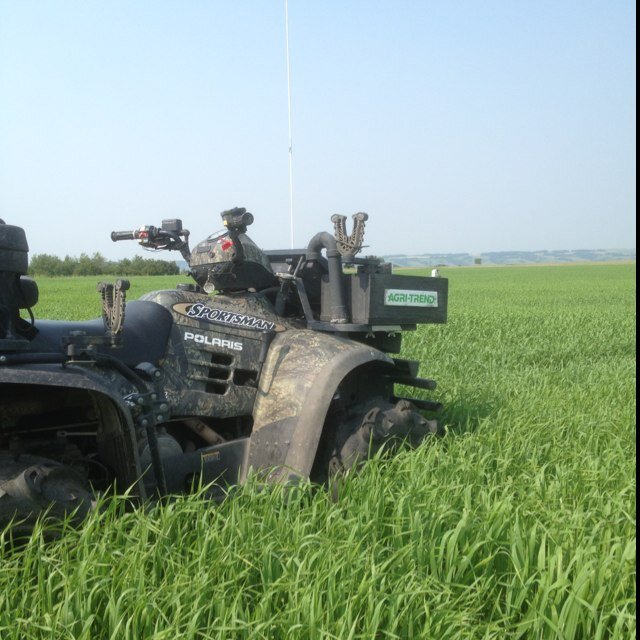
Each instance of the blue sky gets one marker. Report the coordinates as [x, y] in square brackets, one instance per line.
[458, 126]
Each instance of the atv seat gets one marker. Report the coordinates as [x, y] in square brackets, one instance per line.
[145, 334]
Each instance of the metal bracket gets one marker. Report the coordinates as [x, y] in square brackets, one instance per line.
[349, 245]
[152, 411]
[114, 300]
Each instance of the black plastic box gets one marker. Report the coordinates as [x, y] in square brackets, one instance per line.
[380, 299]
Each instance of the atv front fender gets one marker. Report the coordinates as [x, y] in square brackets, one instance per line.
[300, 377]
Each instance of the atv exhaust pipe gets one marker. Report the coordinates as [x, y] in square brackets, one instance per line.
[324, 240]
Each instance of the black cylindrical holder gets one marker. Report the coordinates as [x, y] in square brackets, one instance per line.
[339, 313]
[14, 250]
[14, 262]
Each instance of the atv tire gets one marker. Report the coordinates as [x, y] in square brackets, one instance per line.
[352, 439]
[31, 486]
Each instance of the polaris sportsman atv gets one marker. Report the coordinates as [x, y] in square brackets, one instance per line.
[279, 362]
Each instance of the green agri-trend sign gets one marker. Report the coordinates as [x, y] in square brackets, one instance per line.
[404, 298]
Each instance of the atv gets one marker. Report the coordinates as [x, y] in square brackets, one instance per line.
[281, 363]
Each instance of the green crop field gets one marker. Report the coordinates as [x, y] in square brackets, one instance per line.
[518, 523]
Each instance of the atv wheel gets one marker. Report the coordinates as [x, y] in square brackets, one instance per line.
[31, 486]
[353, 438]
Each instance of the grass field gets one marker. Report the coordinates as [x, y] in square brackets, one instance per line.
[519, 523]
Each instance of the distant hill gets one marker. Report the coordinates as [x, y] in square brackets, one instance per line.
[500, 257]
[512, 257]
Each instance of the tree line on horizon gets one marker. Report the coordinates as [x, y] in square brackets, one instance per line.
[97, 265]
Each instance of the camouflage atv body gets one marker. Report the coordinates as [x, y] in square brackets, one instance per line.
[277, 362]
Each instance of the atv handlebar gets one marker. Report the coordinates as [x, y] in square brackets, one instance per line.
[147, 235]
[123, 235]
[170, 237]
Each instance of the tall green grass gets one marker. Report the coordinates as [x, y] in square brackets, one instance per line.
[519, 523]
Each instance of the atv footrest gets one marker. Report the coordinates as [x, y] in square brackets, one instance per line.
[418, 383]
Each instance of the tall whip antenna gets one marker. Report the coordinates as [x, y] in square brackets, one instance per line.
[286, 20]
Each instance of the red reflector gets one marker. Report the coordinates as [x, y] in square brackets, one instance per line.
[226, 245]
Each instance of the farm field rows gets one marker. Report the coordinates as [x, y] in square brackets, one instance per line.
[518, 523]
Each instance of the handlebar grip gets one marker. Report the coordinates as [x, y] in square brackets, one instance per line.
[123, 235]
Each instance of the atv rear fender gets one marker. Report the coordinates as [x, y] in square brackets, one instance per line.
[299, 380]
[117, 437]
